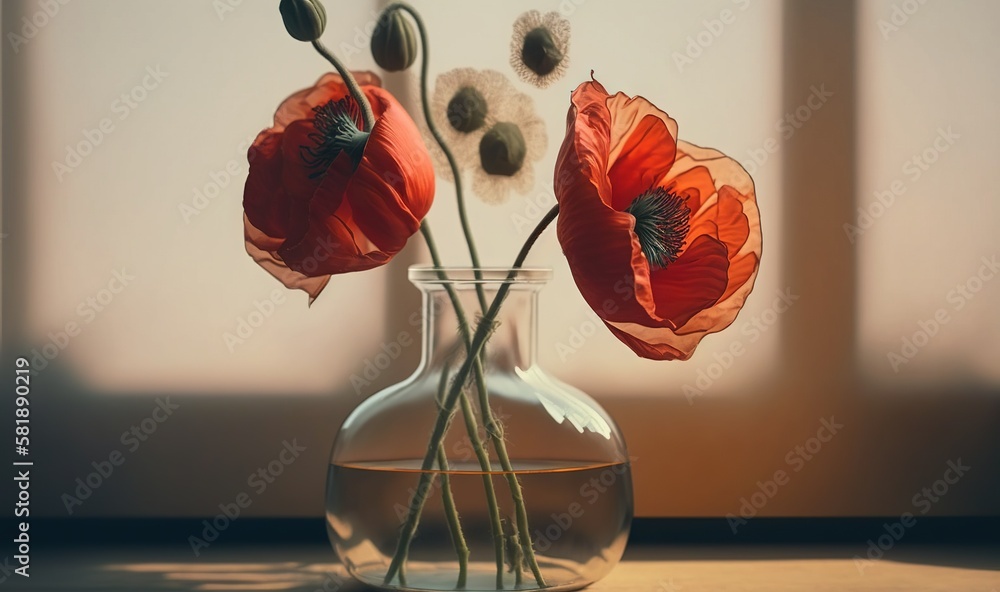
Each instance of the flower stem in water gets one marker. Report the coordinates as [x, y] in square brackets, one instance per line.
[448, 499]
[472, 359]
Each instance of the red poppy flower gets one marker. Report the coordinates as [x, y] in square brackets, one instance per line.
[325, 196]
[662, 237]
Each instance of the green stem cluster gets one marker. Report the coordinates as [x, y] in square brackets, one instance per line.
[449, 396]
[447, 406]
[448, 498]
[472, 429]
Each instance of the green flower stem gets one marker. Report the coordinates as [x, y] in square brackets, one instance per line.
[446, 410]
[352, 85]
[455, 173]
[472, 429]
[495, 433]
[496, 526]
[471, 360]
[518, 555]
[448, 499]
[454, 521]
[494, 430]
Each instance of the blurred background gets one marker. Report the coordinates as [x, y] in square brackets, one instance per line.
[870, 129]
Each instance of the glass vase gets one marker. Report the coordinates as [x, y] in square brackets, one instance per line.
[530, 484]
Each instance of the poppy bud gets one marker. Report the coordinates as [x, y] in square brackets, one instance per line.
[305, 20]
[394, 42]
[502, 149]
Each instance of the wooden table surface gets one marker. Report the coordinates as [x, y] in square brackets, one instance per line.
[645, 568]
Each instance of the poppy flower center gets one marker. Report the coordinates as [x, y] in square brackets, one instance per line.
[540, 52]
[661, 224]
[467, 110]
[502, 149]
[337, 130]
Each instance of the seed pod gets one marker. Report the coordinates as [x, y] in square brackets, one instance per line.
[467, 110]
[540, 52]
[502, 149]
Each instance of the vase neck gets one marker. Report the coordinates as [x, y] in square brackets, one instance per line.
[512, 344]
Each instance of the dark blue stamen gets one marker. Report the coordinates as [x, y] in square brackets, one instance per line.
[338, 128]
[661, 223]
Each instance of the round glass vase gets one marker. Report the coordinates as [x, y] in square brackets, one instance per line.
[529, 484]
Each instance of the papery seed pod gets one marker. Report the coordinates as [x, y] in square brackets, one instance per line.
[540, 52]
[394, 42]
[305, 20]
[539, 48]
[493, 131]
[467, 110]
[502, 149]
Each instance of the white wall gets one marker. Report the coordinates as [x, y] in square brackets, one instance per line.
[163, 334]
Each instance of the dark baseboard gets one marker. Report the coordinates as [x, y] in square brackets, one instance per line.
[815, 531]
[679, 531]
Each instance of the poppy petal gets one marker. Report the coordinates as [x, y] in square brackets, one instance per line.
[300, 181]
[329, 202]
[733, 225]
[723, 169]
[330, 87]
[720, 316]
[692, 283]
[642, 147]
[329, 247]
[263, 196]
[612, 268]
[643, 341]
[393, 186]
[583, 157]
[695, 185]
[275, 266]
[741, 271]
[656, 343]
